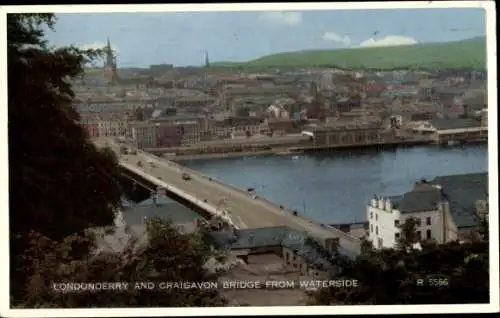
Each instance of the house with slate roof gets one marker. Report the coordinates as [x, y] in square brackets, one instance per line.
[446, 209]
[296, 248]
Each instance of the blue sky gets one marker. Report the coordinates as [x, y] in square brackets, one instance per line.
[142, 39]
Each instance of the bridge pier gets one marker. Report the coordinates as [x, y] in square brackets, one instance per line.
[133, 191]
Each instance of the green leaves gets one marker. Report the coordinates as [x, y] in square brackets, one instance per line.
[167, 256]
[60, 183]
[391, 276]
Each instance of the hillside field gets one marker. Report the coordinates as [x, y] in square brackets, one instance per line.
[465, 54]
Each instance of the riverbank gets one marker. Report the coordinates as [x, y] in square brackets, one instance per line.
[284, 151]
[287, 151]
[222, 155]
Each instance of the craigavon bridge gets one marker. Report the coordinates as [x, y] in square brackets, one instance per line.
[238, 207]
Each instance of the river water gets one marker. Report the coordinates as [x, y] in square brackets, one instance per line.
[335, 187]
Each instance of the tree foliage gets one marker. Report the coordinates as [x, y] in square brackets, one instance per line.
[61, 185]
[434, 274]
[70, 184]
[166, 256]
[408, 236]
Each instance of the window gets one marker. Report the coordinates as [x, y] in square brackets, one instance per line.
[376, 230]
[371, 215]
[428, 234]
[396, 236]
[418, 222]
[428, 220]
[371, 227]
[396, 223]
[376, 217]
[419, 236]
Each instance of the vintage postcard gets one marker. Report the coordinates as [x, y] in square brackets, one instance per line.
[289, 158]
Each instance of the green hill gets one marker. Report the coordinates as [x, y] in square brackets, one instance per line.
[467, 54]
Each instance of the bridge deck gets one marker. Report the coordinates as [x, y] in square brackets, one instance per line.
[244, 211]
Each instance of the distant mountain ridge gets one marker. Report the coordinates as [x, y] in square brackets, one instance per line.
[464, 54]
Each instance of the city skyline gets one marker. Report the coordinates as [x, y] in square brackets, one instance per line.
[231, 36]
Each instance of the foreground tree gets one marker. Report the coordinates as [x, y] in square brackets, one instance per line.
[165, 255]
[408, 236]
[435, 274]
[61, 185]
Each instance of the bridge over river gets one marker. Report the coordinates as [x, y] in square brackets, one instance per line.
[243, 209]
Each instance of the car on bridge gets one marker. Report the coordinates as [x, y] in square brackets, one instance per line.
[186, 176]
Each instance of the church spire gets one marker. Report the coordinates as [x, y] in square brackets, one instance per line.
[110, 60]
[110, 64]
[207, 61]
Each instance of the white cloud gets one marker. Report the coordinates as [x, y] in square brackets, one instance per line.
[390, 40]
[332, 36]
[97, 45]
[282, 18]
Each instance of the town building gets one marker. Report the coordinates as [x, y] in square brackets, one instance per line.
[333, 134]
[278, 111]
[445, 209]
[248, 125]
[297, 249]
[90, 124]
[175, 131]
[143, 134]
[105, 124]
[189, 132]
[445, 130]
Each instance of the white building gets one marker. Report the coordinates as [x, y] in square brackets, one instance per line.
[446, 209]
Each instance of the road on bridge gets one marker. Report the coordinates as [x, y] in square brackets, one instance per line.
[244, 210]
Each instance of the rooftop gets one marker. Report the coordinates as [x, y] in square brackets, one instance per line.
[417, 200]
[134, 214]
[460, 191]
[332, 126]
[282, 236]
[454, 123]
